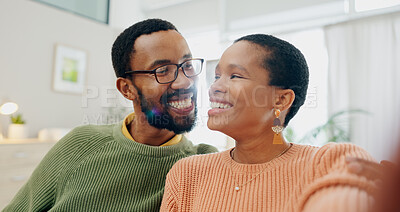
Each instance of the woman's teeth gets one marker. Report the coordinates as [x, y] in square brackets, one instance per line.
[181, 103]
[219, 105]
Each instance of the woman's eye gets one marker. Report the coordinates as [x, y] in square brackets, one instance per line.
[216, 77]
[235, 76]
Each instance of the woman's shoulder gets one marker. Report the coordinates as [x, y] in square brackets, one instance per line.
[332, 150]
[340, 150]
[202, 160]
[331, 157]
[197, 163]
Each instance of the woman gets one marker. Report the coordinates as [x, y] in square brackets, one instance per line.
[260, 82]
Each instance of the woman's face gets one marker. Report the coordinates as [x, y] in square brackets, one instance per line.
[241, 99]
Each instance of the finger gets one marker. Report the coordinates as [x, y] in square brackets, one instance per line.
[366, 163]
[364, 168]
[388, 165]
[354, 167]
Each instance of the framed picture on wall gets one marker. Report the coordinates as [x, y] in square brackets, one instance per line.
[69, 69]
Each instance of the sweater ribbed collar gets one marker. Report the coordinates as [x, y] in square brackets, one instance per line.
[256, 168]
[183, 147]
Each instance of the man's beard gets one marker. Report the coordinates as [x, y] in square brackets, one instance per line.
[160, 117]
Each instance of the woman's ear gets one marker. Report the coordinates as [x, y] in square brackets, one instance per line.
[126, 88]
[284, 99]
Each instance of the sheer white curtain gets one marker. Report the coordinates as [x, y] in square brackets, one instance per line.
[364, 73]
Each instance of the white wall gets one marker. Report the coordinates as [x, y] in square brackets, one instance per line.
[123, 13]
[190, 16]
[29, 32]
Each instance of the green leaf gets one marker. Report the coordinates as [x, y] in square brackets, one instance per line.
[333, 128]
[17, 119]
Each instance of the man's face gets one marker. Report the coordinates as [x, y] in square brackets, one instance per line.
[166, 106]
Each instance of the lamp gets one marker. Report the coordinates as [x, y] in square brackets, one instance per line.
[7, 108]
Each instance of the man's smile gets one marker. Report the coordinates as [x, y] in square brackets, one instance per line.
[182, 104]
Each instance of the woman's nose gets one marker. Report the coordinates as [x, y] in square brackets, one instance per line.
[218, 86]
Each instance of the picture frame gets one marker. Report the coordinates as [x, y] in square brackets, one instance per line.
[70, 66]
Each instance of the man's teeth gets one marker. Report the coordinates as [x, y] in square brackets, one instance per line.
[181, 103]
[219, 105]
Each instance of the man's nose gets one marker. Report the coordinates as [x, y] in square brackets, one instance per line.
[182, 82]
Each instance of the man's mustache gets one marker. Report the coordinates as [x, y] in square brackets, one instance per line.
[181, 91]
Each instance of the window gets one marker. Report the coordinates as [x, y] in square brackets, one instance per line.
[93, 9]
[365, 5]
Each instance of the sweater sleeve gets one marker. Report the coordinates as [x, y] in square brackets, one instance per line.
[170, 198]
[333, 188]
[339, 198]
[38, 193]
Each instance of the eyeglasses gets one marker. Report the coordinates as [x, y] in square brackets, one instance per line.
[168, 73]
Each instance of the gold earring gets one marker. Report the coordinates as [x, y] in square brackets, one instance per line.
[277, 128]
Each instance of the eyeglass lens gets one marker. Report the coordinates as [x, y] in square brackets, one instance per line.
[167, 73]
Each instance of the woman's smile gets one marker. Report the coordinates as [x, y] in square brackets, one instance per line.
[219, 106]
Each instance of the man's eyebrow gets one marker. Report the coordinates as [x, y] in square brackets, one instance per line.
[162, 62]
[187, 56]
[159, 62]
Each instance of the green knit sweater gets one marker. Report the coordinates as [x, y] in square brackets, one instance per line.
[96, 168]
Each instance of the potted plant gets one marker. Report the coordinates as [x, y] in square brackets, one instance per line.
[17, 128]
[334, 130]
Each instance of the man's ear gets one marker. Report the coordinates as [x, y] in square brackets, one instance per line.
[284, 99]
[126, 88]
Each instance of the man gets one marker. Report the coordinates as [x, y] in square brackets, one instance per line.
[122, 167]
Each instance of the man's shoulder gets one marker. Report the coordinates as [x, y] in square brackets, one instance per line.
[205, 149]
[86, 133]
[201, 148]
[91, 130]
[79, 142]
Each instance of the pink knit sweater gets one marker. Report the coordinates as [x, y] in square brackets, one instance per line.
[305, 178]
